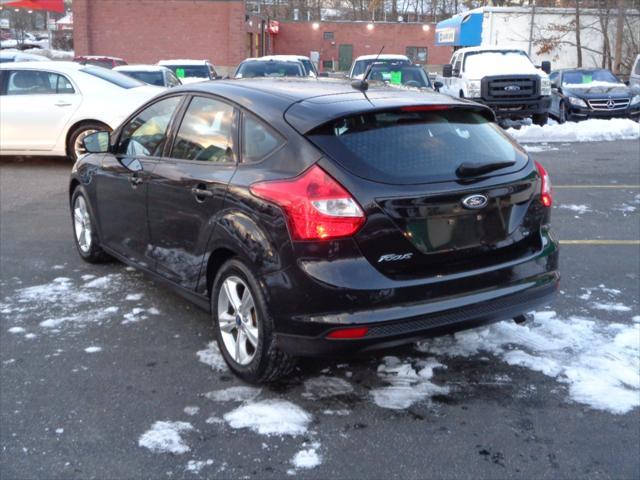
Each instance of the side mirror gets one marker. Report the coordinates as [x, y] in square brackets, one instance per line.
[447, 70]
[546, 67]
[323, 75]
[98, 142]
[437, 86]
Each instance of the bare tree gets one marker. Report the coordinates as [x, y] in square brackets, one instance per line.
[578, 34]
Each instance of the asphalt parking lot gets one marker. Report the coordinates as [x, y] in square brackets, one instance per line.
[105, 374]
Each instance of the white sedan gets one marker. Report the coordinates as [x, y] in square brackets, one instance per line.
[49, 107]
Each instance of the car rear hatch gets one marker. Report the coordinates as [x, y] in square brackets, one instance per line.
[443, 188]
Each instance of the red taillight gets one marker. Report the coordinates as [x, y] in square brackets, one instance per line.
[317, 206]
[348, 333]
[546, 195]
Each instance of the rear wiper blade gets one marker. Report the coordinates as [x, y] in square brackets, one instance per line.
[468, 169]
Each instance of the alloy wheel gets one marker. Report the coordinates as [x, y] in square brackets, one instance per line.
[82, 224]
[238, 320]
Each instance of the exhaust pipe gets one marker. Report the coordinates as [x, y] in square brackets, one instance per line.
[523, 319]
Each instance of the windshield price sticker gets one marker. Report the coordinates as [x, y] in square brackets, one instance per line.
[180, 72]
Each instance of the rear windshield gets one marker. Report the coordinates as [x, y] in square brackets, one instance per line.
[411, 147]
[252, 69]
[190, 71]
[116, 78]
[361, 65]
[152, 78]
[406, 75]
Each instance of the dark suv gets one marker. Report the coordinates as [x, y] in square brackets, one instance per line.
[312, 219]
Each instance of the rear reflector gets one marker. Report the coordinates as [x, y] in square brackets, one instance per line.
[348, 333]
[546, 195]
[317, 206]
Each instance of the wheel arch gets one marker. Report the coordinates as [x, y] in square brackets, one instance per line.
[79, 123]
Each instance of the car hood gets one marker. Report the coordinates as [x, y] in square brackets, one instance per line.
[598, 91]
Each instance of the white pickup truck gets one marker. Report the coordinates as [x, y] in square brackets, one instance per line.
[504, 79]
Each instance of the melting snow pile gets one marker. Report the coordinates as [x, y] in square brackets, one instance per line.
[164, 437]
[593, 130]
[234, 394]
[599, 362]
[324, 387]
[307, 458]
[211, 356]
[270, 417]
[407, 385]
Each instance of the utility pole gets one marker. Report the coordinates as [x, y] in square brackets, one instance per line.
[533, 16]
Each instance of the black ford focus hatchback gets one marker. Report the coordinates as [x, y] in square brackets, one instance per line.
[310, 218]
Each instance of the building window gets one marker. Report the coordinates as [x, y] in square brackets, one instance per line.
[417, 54]
[328, 36]
[327, 65]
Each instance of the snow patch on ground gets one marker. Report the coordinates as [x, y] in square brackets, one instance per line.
[191, 411]
[611, 307]
[211, 356]
[135, 315]
[234, 394]
[194, 466]
[93, 349]
[323, 387]
[165, 437]
[593, 130]
[579, 209]
[409, 382]
[270, 417]
[539, 148]
[134, 297]
[16, 330]
[599, 362]
[307, 458]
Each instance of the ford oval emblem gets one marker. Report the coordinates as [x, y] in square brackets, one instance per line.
[512, 88]
[475, 201]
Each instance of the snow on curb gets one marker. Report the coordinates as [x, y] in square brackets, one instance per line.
[593, 130]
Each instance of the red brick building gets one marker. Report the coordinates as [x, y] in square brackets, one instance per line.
[145, 31]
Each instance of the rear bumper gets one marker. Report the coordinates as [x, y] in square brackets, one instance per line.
[306, 308]
[385, 334]
[517, 108]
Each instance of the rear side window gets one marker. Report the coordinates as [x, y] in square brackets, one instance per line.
[411, 147]
[34, 82]
[145, 135]
[206, 133]
[152, 78]
[115, 78]
[258, 140]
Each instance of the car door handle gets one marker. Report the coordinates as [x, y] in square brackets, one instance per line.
[62, 103]
[200, 193]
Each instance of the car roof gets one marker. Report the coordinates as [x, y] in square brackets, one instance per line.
[383, 56]
[183, 61]
[489, 49]
[271, 58]
[285, 57]
[140, 68]
[51, 65]
[308, 102]
[21, 56]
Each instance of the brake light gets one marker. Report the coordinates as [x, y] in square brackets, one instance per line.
[317, 206]
[348, 333]
[546, 195]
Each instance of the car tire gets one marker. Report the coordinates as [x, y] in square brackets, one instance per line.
[74, 148]
[240, 314]
[540, 118]
[562, 113]
[84, 231]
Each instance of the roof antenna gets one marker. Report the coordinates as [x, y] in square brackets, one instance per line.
[362, 84]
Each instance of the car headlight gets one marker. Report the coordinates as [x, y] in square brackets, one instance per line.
[578, 102]
[635, 100]
[545, 87]
[473, 88]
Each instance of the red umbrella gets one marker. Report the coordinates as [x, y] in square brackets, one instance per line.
[49, 5]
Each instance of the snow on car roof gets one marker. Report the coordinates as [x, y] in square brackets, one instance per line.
[183, 61]
[52, 65]
[99, 57]
[386, 56]
[140, 68]
[285, 57]
[489, 49]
